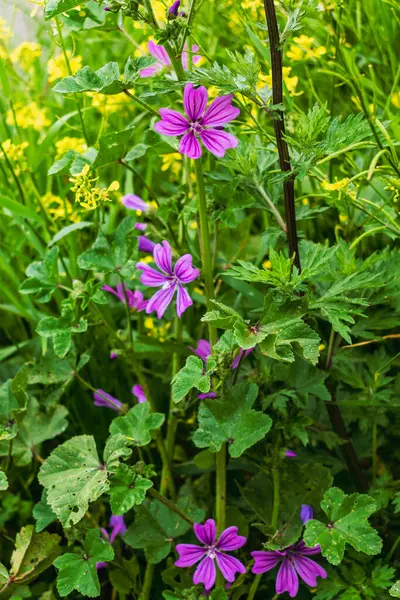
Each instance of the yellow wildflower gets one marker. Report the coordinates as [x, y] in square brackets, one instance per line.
[26, 54]
[157, 332]
[57, 67]
[159, 11]
[321, 347]
[147, 260]
[16, 154]
[141, 50]
[396, 99]
[70, 143]
[107, 105]
[59, 208]
[193, 225]
[267, 264]
[306, 201]
[173, 162]
[198, 291]
[5, 31]
[358, 104]
[291, 81]
[343, 219]
[334, 187]
[302, 49]
[86, 194]
[28, 115]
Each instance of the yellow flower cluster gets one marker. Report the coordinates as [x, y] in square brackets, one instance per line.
[394, 187]
[173, 162]
[157, 332]
[89, 196]
[108, 105]
[5, 31]
[26, 54]
[303, 49]
[59, 208]
[396, 99]
[335, 187]
[16, 154]
[291, 81]
[28, 115]
[57, 67]
[70, 143]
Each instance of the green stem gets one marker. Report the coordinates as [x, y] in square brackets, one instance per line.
[220, 500]
[392, 550]
[141, 103]
[78, 104]
[365, 234]
[276, 498]
[374, 450]
[128, 314]
[9, 165]
[148, 581]
[254, 587]
[171, 505]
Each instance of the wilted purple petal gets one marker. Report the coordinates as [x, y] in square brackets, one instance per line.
[145, 245]
[101, 398]
[220, 112]
[190, 145]
[208, 395]
[163, 257]
[161, 299]
[206, 533]
[287, 580]
[141, 226]
[184, 269]
[194, 101]
[118, 526]
[230, 540]
[229, 566]
[189, 554]
[203, 350]
[183, 300]
[217, 141]
[290, 454]
[172, 123]
[138, 391]
[306, 513]
[265, 561]
[205, 573]
[308, 569]
[150, 276]
[134, 202]
[159, 53]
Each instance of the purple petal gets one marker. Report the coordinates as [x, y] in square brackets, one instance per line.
[183, 300]
[118, 527]
[137, 301]
[138, 391]
[153, 70]
[306, 513]
[172, 123]
[113, 355]
[184, 270]
[159, 53]
[287, 580]
[194, 101]
[150, 276]
[290, 454]
[173, 9]
[163, 257]
[206, 533]
[229, 566]
[217, 141]
[301, 548]
[205, 573]
[265, 561]
[308, 569]
[141, 226]
[220, 112]
[230, 540]
[145, 245]
[189, 554]
[195, 58]
[101, 565]
[161, 299]
[190, 146]
[208, 395]
[238, 357]
[101, 398]
[203, 350]
[134, 202]
[108, 288]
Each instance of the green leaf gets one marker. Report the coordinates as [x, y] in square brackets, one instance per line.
[19, 209]
[113, 147]
[190, 376]
[69, 229]
[3, 481]
[117, 253]
[43, 514]
[106, 80]
[33, 554]
[56, 7]
[4, 575]
[37, 427]
[127, 489]
[42, 277]
[73, 476]
[78, 571]
[136, 152]
[395, 589]
[61, 329]
[298, 337]
[137, 425]
[117, 447]
[348, 523]
[232, 420]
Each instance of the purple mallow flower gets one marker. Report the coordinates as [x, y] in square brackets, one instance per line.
[163, 59]
[138, 391]
[118, 527]
[135, 299]
[199, 122]
[203, 350]
[295, 563]
[174, 8]
[170, 280]
[212, 551]
[306, 513]
[101, 398]
[145, 244]
[141, 226]
[290, 454]
[113, 355]
[134, 202]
